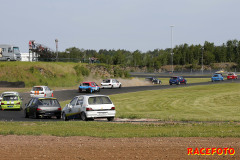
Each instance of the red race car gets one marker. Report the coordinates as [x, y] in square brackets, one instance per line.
[232, 75]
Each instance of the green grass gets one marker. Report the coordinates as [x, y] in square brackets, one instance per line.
[117, 130]
[217, 102]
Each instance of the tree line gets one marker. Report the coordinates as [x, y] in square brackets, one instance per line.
[184, 54]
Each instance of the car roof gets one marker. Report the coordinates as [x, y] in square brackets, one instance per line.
[10, 92]
[92, 95]
[39, 86]
[45, 97]
[88, 82]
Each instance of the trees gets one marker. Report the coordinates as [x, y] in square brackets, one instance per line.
[183, 55]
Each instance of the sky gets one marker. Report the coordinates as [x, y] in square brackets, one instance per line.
[118, 24]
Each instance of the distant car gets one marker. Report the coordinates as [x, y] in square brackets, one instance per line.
[153, 80]
[89, 107]
[9, 92]
[177, 80]
[111, 83]
[41, 91]
[232, 75]
[217, 77]
[42, 107]
[11, 101]
[88, 87]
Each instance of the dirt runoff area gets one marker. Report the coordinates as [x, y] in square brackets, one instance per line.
[89, 148]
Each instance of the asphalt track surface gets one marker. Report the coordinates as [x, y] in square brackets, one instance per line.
[62, 95]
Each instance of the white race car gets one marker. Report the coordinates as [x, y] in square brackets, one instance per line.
[41, 91]
[111, 83]
[89, 107]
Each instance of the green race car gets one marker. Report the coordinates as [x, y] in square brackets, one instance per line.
[11, 101]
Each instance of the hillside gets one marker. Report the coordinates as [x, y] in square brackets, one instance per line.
[57, 74]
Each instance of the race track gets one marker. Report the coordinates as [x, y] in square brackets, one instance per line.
[62, 95]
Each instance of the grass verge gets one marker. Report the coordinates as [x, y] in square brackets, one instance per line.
[217, 102]
[120, 130]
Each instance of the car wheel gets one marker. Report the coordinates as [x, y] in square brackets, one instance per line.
[178, 83]
[36, 115]
[58, 117]
[83, 116]
[98, 90]
[112, 87]
[64, 117]
[26, 114]
[80, 90]
[170, 83]
[110, 118]
[90, 90]
[120, 86]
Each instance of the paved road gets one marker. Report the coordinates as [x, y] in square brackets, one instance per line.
[63, 95]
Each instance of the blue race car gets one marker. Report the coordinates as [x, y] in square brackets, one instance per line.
[177, 80]
[217, 77]
[89, 87]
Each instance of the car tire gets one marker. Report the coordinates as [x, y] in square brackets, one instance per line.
[110, 118]
[26, 114]
[83, 116]
[64, 117]
[80, 90]
[98, 90]
[36, 115]
[120, 86]
[170, 83]
[112, 87]
[90, 90]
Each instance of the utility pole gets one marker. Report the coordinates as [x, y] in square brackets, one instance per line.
[172, 45]
[56, 41]
[202, 60]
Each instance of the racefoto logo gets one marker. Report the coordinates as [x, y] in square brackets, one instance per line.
[210, 151]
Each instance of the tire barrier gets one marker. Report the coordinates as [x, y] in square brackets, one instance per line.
[6, 84]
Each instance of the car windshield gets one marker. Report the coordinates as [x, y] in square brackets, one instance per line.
[10, 98]
[215, 75]
[37, 89]
[174, 78]
[106, 81]
[85, 84]
[148, 79]
[48, 102]
[99, 100]
[16, 50]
